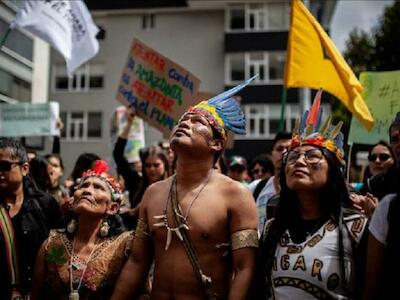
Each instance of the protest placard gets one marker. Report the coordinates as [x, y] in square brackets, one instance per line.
[136, 134]
[158, 88]
[29, 119]
[381, 94]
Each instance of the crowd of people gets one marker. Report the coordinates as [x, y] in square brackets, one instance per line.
[188, 223]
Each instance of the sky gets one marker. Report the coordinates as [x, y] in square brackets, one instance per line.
[349, 14]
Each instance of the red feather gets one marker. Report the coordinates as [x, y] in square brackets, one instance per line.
[314, 111]
[100, 166]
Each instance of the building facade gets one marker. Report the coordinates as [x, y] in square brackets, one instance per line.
[221, 42]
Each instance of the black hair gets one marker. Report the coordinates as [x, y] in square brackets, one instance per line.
[57, 156]
[15, 148]
[265, 161]
[281, 136]
[38, 170]
[82, 164]
[287, 216]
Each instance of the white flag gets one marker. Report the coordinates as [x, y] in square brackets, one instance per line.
[64, 24]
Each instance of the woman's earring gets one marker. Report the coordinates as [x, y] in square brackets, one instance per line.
[104, 228]
[72, 225]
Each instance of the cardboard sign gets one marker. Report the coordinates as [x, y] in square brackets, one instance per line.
[159, 89]
[29, 119]
[136, 134]
[381, 94]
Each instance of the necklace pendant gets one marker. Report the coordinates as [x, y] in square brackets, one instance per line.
[74, 295]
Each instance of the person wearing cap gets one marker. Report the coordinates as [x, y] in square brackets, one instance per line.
[83, 260]
[314, 247]
[384, 242]
[199, 226]
[237, 168]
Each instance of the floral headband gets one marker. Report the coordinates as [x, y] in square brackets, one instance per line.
[100, 170]
[223, 112]
[308, 131]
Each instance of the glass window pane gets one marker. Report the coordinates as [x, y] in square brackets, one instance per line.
[273, 126]
[237, 67]
[276, 65]
[237, 18]
[262, 126]
[77, 115]
[277, 15]
[256, 56]
[62, 83]
[94, 124]
[63, 117]
[17, 41]
[80, 130]
[252, 126]
[96, 82]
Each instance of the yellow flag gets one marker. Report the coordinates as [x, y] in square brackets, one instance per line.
[313, 61]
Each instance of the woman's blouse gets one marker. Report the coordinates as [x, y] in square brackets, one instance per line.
[100, 273]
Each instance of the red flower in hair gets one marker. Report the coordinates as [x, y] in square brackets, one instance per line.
[100, 166]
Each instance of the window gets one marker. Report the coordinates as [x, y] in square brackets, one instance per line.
[17, 42]
[14, 87]
[81, 126]
[87, 78]
[148, 21]
[263, 120]
[258, 16]
[268, 65]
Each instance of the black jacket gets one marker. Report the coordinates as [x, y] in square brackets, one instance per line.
[382, 184]
[39, 213]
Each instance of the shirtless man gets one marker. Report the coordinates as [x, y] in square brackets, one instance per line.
[217, 213]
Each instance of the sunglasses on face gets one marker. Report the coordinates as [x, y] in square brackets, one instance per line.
[258, 171]
[381, 156]
[6, 166]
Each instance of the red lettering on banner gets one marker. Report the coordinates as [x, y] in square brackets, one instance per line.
[149, 56]
[154, 96]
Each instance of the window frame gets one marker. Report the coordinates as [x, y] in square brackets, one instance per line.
[247, 65]
[76, 122]
[82, 75]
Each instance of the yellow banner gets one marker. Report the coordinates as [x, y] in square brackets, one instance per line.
[313, 61]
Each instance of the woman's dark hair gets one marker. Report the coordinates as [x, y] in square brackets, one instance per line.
[335, 196]
[367, 173]
[38, 170]
[265, 161]
[83, 163]
[57, 156]
[149, 152]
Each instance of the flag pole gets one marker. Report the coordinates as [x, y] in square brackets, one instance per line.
[4, 38]
[349, 161]
[283, 109]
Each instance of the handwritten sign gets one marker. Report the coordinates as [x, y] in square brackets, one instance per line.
[29, 119]
[136, 134]
[381, 94]
[159, 89]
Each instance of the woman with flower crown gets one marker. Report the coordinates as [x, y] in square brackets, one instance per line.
[315, 246]
[83, 261]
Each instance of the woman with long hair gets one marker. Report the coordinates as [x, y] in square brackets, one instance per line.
[312, 248]
[84, 260]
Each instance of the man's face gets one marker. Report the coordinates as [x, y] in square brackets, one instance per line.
[395, 141]
[280, 148]
[12, 171]
[193, 129]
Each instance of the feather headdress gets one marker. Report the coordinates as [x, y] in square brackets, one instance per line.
[310, 131]
[223, 112]
[100, 170]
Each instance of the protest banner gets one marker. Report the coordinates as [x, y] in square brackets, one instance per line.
[381, 94]
[136, 134]
[158, 88]
[29, 119]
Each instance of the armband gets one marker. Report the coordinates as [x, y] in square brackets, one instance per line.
[244, 239]
[141, 231]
